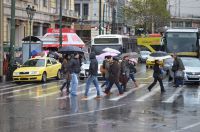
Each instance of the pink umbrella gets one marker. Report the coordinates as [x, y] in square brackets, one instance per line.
[103, 55]
[135, 60]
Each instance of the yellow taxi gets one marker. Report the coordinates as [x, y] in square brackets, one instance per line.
[158, 55]
[38, 69]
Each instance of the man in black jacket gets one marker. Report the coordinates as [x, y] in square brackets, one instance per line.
[157, 73]
[114, 73]
[74, 68]
[93, 72]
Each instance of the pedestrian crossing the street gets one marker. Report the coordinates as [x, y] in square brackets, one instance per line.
[51, 89]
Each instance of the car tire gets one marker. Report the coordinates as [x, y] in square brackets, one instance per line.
[81, 78]
[147, 67]
[44, 77]
[58, 77]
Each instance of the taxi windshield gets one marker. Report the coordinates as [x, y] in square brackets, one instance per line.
[34, 63]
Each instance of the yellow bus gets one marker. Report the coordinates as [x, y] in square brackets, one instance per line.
[184, 42]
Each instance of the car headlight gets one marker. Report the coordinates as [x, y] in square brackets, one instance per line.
[34, 73]
[16, 74]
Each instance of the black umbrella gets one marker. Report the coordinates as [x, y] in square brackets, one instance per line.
[70, 49]
[33, 39]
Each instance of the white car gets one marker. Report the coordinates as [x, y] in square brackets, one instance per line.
[85, 70]
[192, 69]
[143, 56]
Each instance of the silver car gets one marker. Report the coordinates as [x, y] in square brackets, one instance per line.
[167, 64]
[143, 56]
[84, 73]
[192, 69]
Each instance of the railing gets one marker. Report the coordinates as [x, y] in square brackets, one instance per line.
[69, 13]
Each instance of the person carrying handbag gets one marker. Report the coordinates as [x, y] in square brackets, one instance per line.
[157, 75]
[178, 68]
[66, 74]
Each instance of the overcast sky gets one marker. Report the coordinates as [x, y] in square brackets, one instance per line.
[188, 8]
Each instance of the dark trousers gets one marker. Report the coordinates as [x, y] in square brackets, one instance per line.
[154, 83]
[105, 83]
[118, 86]
[65, 84]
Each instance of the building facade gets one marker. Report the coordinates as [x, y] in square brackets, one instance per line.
[88, 11]
[184, 13]
[46, 16]
[1, 40]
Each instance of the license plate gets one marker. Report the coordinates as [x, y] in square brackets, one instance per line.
[194, 76]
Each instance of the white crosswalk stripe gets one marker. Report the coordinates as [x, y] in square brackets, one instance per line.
[153, 92]
[14, 87]
[53, 93]
[127, 93]
[174, 95]
[92, 96]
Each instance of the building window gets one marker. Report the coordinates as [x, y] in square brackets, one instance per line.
[188, 24]
[45, 3]
[36, 2]
[85, 10]
[177, 24]
[78, 8]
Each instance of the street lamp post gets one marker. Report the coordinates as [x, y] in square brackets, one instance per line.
[81, 27]
[30, 12]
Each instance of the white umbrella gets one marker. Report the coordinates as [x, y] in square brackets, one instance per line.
[111, 50]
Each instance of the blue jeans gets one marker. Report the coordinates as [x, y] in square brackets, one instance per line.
[74, 83]
[131, 76]
[93, 79]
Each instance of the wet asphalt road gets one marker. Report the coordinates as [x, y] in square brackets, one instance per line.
[37, 107]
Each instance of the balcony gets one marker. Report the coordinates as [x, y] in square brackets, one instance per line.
[69, 13]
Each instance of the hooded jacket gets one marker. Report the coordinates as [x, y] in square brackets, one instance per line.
[93, 68]
[74, 65]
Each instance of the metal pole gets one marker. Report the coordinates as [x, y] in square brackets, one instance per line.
[12, 39]
[103, 17]
[81, 26]
[99, 17]
[1, 38]
[60, 24]
[30, 38]
[113, 21]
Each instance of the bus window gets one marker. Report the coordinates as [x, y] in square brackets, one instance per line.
[106, 41]
[125, 42]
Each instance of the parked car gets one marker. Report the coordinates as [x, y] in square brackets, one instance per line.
[38, 69]
[158, 55]
[192, 69]
[143, 56]
[85, 70]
